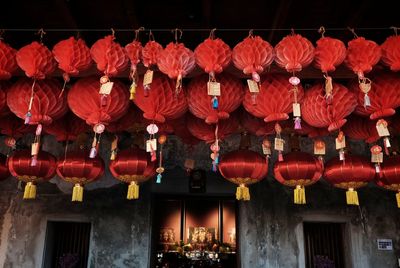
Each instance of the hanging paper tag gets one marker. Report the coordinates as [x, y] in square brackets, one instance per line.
[340, 143]
[148, 78]
[319, 148]
[105, 89]
[253, 86]
[382, 129]
[151, 145]
[266, 149]
[296, 110]
[189, 163]
[35, 148]
[328, 86]
[279, 143]
[214, 88]
[377, 158]
[365, 87]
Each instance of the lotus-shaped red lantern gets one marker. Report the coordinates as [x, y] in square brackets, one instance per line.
[8, 63]
[391, 52]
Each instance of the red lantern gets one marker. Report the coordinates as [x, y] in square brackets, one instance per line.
[329, 53]
[85, 102]
[384, 95]
[331, 113]
[73, 56]
[67, 128]
[36, 60]
[207, 132]
[353, 173]
[180, 129]
[391, 52]
[131, 121]
[360, 128]
[4, 86]
[4, 173]
[254, 125]
[132, 166]
[176, 61]
[199, 100]
[298, 169]
[243, 167]
[20, 166]
[252, 56]
[14, 127]
[162, 102]
[46, 103]
[150, 53]
[134, 52]
[274, 101]
[79, 169]
[109, 56]
[390, 176]
[8, 63]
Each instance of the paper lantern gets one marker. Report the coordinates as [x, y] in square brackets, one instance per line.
[199, 101]
[274, 101]
[134, 53]
[8, 63]
[4, 172]
[150, 53]
[253, 55]
[85, 102]
[109, 56]
[180, 129]
[67, 128]
[351, 174]
[162, 102]
[391, 52]
[36, 60]
[298, 169]
[254, 125]
[14, 127]
[331, 113]
[389, 177]
[329, 53]
[361, 128]
[131, 121]
[384, 96]
[206, 132]
[4, 86]
[20, 167]
[176, 61]
[77, 168]
[132, 166]
[47, 105]
[243, 167]
[73, 56]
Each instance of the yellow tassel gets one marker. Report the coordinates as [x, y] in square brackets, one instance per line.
[133, 191]
[77, 193]
[242, 193]
[132, 90]
[398, 199]
[299, 195]
[113, 155]
[30, 191]
[352, 197]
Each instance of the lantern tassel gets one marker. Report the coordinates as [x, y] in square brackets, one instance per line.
[297, 123]
[352, 197]
[398, 199]
[367, 101]
[299, 195]
[132, 90]
[77, 193]
[133, 191]
[30, 191]
[242, 193]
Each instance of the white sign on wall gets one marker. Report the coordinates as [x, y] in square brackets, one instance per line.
[385, 244]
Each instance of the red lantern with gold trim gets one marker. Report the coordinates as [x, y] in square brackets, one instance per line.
[298, 169]
[243, 167]
[4, 172]
[389, 177]
[78, 168]
[20, 167]
[132, 166]
[8, 63]
[353, 173]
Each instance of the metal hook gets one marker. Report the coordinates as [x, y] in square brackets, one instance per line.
[41, 33]
[137, 31]
[321, 30]
[112, 32]
[292, 31]
[151, 36]
[251, 32]
[212, 33]
[353, 32]
[394, 29]
[175, 31]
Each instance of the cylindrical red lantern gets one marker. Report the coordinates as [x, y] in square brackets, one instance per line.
[353, 173]
[8, 63]
[391, 52]
[298, 169]
[199, 100]
[4, 172]
[390, 176]
[78, 168]
[20, 167]
[132, 166]
[331, 113]
[243, 167]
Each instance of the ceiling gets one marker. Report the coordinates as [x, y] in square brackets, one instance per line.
[196, 14]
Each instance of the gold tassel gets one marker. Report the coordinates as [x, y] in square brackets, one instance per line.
[398, 199]
[352, 197]
[30, 191]
[242, 193]
[299, 195]
[133, 191]
[132, 90]
[77, 193]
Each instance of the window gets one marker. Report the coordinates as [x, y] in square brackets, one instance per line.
[67, 244]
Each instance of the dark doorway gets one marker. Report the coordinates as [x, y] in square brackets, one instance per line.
[67, 244]
[323, 244]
